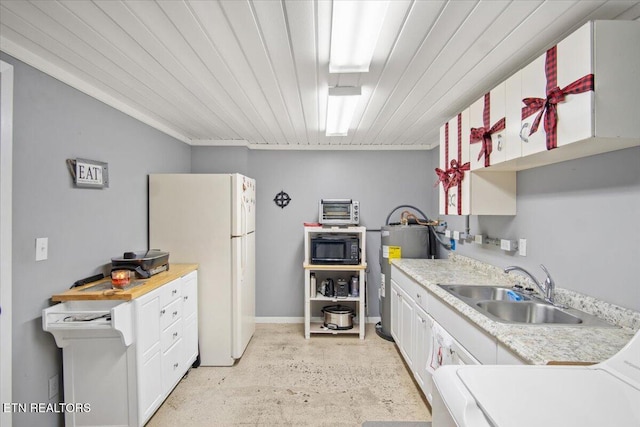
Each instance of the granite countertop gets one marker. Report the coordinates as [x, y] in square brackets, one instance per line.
[536, 344]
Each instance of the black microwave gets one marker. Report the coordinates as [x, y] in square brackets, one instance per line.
[335, 249]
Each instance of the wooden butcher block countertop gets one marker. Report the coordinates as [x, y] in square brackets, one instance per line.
[139, 288]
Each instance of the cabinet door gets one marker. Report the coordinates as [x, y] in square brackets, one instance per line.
[513, 115]
[486, 113]
[172, 366]
[405, 329]
[150, 386]
[148, 322]
[454, 154]
[148, 354]
[395, 310]
[422, 349]
[574, 112]
[190, 319]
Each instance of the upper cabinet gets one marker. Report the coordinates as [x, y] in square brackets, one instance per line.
[463, 192]
[583, 90]
[581, 97]
[487, 119]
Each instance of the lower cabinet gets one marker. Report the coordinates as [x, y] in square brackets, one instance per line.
[168, 347]
[423, 344]
[430, 334]
[125, 363]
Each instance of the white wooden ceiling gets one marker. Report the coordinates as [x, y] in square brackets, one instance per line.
[256, 72]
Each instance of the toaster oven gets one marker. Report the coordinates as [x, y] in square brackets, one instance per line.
[339, 212]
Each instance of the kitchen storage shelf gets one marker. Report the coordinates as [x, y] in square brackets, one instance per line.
[314, 303]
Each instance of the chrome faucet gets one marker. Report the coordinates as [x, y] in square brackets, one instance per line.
[547, 287]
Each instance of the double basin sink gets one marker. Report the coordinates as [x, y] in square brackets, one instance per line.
[507, 305]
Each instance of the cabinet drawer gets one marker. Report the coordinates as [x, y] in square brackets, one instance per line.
[171, 335]
[171, 291]
[170, 313]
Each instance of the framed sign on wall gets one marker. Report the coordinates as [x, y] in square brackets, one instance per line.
[89, 173]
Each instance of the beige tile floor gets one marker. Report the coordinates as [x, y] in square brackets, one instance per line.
[285, 380]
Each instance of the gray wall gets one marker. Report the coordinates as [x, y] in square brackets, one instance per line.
[85, 227]
[379, 180]
[580, 219]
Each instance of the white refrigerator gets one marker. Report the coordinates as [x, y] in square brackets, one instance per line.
[209, 219]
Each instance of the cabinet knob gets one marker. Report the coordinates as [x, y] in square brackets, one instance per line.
[175, 365]
[175, 313]
[418, 296]
[175, 334]
[522, 136]
[173, 292]
[500, 143]
[186, 297]
[163, 311]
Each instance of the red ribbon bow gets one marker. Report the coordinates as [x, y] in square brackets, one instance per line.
[548, 106]
[443, 177]
[456, 172]
[484, 133]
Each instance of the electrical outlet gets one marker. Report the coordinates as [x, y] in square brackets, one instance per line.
[54, 386]
[478, 239]
[508, 245]
[456, 235]
[522, 247]
[42, 248]
[447, 233]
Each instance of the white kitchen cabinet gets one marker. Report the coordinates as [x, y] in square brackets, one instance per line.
[164, 355]
[395, 311]
[402, 322]
[132, 357]
[406, 306]
[314, 301]
[480, 192]
[599, 120]
[190, 318]
[488, 113]
[149, 353]
[414, 322]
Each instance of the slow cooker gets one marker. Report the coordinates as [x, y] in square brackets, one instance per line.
[338, 317]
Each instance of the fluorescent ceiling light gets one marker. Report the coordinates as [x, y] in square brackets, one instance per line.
[340, 108]
[355, 28]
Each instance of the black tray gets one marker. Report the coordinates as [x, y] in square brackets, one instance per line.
[145, 260]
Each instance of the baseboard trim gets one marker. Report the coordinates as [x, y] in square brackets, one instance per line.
[268, 319]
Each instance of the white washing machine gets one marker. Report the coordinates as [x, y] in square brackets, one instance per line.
[606, 394]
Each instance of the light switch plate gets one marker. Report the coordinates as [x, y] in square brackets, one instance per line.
[447, 233]
[456, 235]
[522, 247]
[42, 248]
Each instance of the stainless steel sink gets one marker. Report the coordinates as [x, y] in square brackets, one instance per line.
[528, 312]
[506, 305]
[478, 293]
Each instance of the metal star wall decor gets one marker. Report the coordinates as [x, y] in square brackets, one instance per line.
[282, 199]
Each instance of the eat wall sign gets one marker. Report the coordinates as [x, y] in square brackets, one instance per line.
[89, 173]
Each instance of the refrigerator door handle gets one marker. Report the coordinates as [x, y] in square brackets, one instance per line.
[243, 243]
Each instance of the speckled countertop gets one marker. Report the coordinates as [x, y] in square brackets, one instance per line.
[536, 344]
